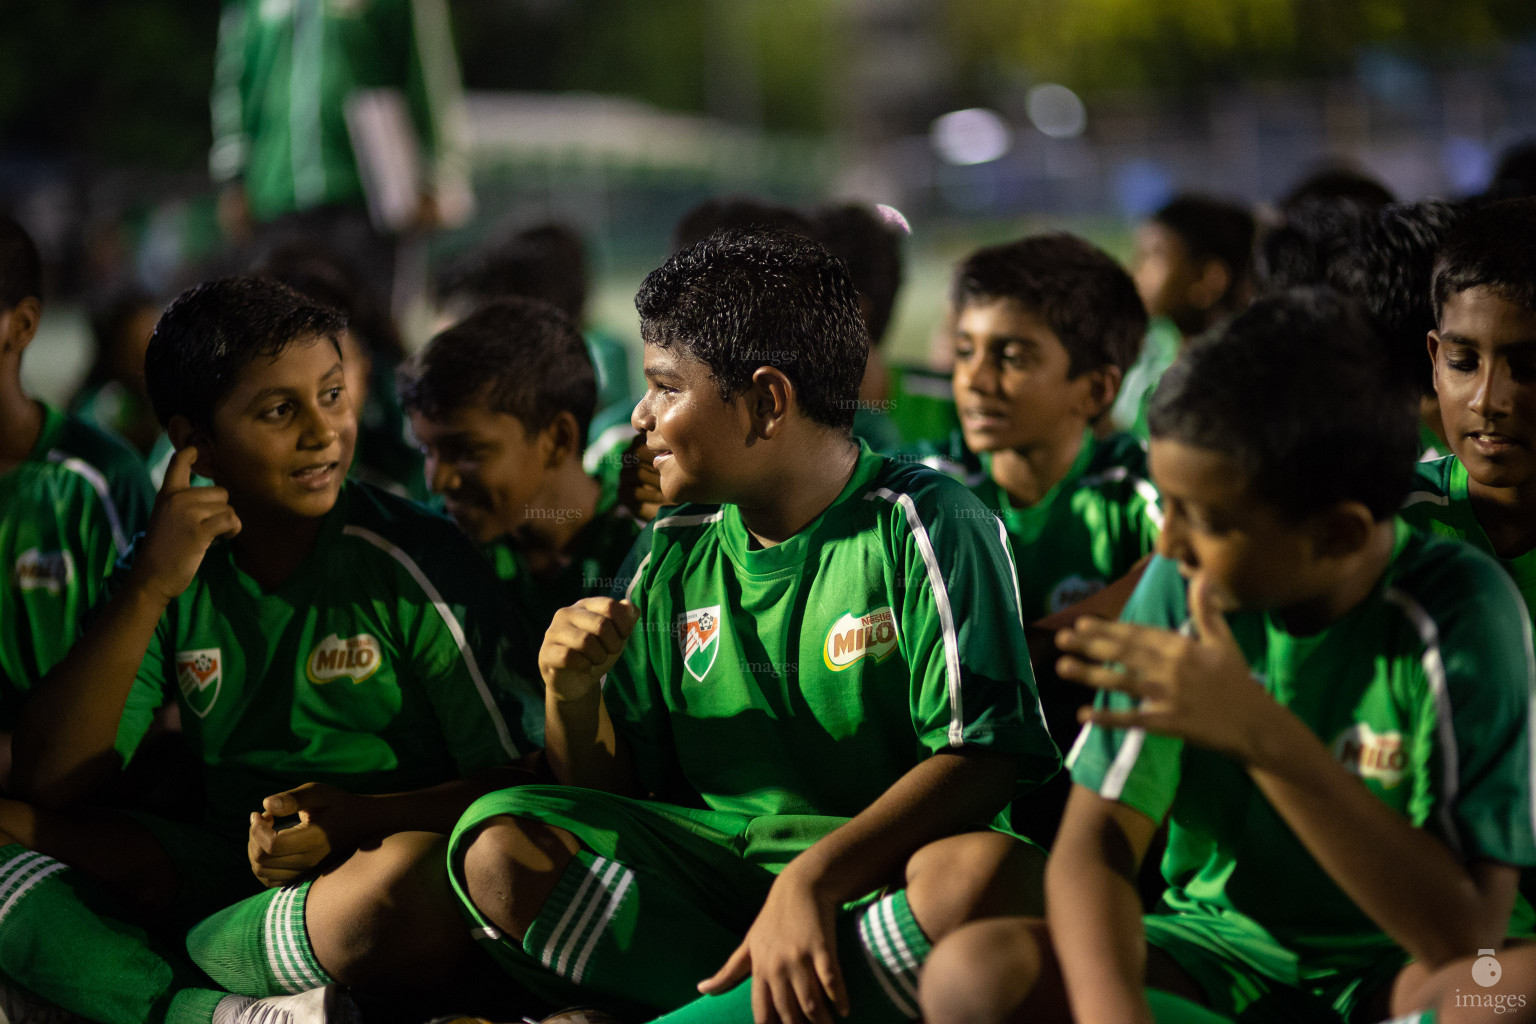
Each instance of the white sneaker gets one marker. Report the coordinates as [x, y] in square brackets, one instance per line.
[328, 1005]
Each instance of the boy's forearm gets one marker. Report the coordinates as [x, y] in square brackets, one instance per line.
[1345, 828]
[582, 747]
[1095, 910]
[64, 743]
[943, 795]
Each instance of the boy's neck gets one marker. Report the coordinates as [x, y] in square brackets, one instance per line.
[545, 541]
[271, 549]
[21, 423]
[1357, 577]
[808, 481]
[1028, 474]
[1506, 516]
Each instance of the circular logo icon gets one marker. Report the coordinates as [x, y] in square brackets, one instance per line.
[1485, 969]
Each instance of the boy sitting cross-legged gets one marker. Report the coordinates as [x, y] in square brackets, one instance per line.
[323, 640]
[501, 403]
[817, 691]
[1329, 708]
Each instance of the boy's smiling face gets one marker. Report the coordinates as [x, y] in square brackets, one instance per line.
[1484, 355]
[1010, 380]
[696, 434]
[1215, 526]
[282, 438]
[485, 464]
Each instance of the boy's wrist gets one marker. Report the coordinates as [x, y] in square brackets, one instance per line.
[141, 590]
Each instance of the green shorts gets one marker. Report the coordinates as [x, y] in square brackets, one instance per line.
[1243, 972]
[212, 869]
[723, 864]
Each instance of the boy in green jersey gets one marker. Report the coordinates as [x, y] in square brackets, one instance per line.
[71, 498]
[501, 402]
[1329, 708]
[1484, 361]
[323, 640]
[1044, 329]
[817, 691]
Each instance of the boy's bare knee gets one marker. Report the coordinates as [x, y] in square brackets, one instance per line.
[511, 868]
[973, 876]
[985, 973]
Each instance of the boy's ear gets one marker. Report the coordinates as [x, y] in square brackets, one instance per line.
[1432, 342]
[18, 326]
[1342, 530]
[182, 433]
[768, 399]
[1210, 285]
[1103, 387]
[562, 439]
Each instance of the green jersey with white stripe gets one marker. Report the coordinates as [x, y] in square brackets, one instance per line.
[1439, 504]
[884, 631]
[383, 664]
[67, 514]
[1423, 691]
[1087, 531]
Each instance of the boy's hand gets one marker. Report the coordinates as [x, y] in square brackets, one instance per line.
[582, 644]
[640, 481]
[1196, 688]
[185, 521]
[329, 822]
[791, 954]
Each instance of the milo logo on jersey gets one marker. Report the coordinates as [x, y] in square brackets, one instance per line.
[200, 674]
[871, 635]
[43, 570]
[355, 658]
[1372, 755]
[700, 639]
[1072, 590]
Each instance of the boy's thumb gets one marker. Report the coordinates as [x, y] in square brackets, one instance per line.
[281, 804]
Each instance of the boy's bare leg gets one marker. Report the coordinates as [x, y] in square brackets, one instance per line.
[1457, 997]
[107, 845]
[387, 917]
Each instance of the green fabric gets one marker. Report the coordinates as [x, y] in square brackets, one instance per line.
[885, 630]
[658, 898]
[610, 364]
[876, 429]
[1086, 531]
[282, 73]
[386, 662]
[260, 946]
[71, 440]
[948, 455]
[590, 570]
[1159, 349]
[62, 939]
[608, 438]
[921, 404]
[1219, 955]
[211, 868]
[1430, 445]
[1168, 1008]
[1442, 629]
[114, 408]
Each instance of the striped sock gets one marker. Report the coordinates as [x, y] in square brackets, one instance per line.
[880, 949]
[894, 949]
[609, 929]
[260, 946]
[65, 940]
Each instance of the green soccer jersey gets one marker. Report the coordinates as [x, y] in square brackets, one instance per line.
[114, 469]
[590, 569]
[947, 454]
[384, 663]
[1423, 691]
[1439, 504]
[67, 514]
[807, 677]
[1087, 531]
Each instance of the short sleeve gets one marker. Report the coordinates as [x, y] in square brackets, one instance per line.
[961, 631]
[1132, 766]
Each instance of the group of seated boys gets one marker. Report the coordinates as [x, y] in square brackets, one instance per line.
[755, 722]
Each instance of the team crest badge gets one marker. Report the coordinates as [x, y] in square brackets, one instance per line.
[700, 640]
[871, 635]
[200, 675]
